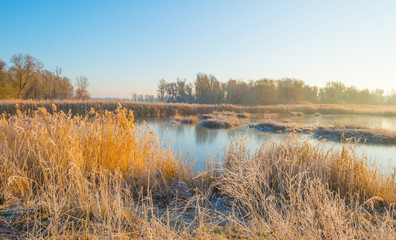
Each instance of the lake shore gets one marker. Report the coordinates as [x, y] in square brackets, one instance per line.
[126, 185]
[142, 109]
[218, 120]
[336, 132]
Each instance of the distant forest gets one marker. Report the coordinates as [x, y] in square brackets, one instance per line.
[208, 90]
[26, 78]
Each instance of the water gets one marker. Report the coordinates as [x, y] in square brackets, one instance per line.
[385, 122]
[200, 144]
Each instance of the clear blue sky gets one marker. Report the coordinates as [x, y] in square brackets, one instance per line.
[127, 46]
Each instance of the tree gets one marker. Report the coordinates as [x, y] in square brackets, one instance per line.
[208, 89]
[171, 90]
[189, 92]
[290, 90]
[183, 91]
[64, 88]
[134, 97]
[162, 85]
[23, 70]
[2, 71]
[351, 95]
[57, 77]
[391, 100]
[27, 79]
[378, 96]
[333, 93]
[263, 92]
[311, 94]
[6, 91]
[34, 89]
[202, 88]
[232, 92]
[217, 90]
[149, 98]
[82, 88]
[54, 86]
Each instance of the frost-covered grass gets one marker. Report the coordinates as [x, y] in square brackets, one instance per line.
[100, 176]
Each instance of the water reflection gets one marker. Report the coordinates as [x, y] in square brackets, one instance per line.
[204, 136]
[202, 144]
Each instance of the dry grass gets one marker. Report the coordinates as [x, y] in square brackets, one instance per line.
[102, 177]
[223, 119]
[96, 142]
[282, 127]
[356, 132]
[216, 123]
[64, 174]
[343, 171]
[336, 132]
[214, 120]
[294, 190]
[167, 109]
[297, 114]
[242, 115]
[184, 120]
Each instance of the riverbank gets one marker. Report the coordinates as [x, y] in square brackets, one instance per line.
[141, 109]
[214, 120]
[126, 185]
[336, 132]
[218, 120]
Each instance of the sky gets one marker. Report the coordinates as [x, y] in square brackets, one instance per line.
[126, 47]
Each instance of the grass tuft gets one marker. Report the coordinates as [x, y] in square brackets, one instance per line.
[100, 176]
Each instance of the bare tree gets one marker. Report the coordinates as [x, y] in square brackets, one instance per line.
[57, 77]
[134, 97]
[162, 85]
[2, 71]
[82, 88]
[24, 68]
[290, 90]
[4, 89]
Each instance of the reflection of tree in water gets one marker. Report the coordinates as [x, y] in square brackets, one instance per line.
[203, 135]
[179, 130]
[236, 133]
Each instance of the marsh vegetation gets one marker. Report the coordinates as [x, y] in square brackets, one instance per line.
[335, 132]
[99, 175]
[159, 109]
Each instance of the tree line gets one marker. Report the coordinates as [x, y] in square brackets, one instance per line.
[26, 78]
[208, 90]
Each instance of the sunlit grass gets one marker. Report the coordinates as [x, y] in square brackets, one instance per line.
[356, 132]
[76, 173]
[100, 176]
[295, 190]
[157, 109]
[223, 119]
[337, 131]
[109, 142]
[343, 171]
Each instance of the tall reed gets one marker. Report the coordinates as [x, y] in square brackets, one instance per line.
[81, 175]
[157, 109]
[100, 176]
[343, 171]
[295, 190]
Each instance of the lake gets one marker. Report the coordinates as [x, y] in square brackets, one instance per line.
[200, 144]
